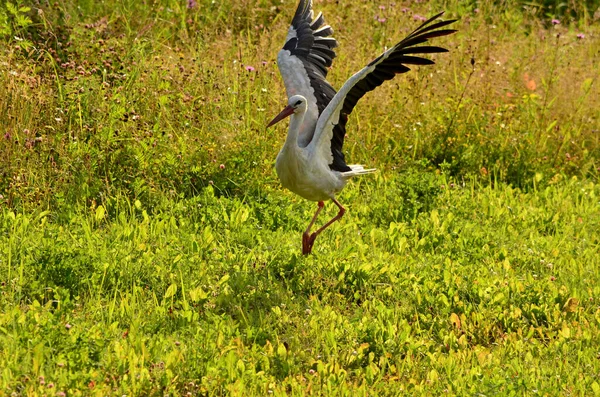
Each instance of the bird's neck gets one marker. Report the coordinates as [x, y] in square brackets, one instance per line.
[292, 136]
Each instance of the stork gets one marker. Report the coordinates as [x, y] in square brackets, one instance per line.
[311, 163]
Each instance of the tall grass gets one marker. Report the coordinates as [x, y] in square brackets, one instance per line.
[148, 99]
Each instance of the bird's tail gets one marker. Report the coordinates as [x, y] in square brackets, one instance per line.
[357, 169]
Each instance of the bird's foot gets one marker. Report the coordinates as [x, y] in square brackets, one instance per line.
[308, 241]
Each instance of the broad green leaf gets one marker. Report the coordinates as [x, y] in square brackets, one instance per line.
[198, 294]
[171, 291]
[224, 279]
[100, 213]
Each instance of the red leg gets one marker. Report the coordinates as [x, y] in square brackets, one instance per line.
[311, 239]
[306, 248]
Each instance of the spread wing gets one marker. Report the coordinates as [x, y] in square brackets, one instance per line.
[303, 63]
[331, 128]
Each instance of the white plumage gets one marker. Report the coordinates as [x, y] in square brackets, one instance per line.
[311, 163]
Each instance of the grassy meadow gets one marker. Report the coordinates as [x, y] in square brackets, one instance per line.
[147, 248]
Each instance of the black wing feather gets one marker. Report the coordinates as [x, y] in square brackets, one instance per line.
[387, 66]
[314, 47]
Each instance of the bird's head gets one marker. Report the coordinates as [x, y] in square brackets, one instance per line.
[296, 105]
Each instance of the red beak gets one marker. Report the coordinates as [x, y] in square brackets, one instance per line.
[286, 112]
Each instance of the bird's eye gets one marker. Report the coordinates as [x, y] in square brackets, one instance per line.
[298, 103]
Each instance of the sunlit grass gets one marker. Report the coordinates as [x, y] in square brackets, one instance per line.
[146, 247]
[115, 108]
[482, 290]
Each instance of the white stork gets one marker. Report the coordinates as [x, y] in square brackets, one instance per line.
[311, 162]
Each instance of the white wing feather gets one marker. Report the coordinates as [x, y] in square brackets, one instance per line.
[320, 146]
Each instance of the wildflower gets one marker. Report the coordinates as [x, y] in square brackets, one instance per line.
[405, 10]
[555, 22]
[381, 20]
[191, 4]
[264, 63]
[417, 17]
[222, 166]
[250, 68]
[68, 326]
[382, 7]
[580, 36]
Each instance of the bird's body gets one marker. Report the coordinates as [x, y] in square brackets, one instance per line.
[309, 179]
[311, 163]
[303, 169]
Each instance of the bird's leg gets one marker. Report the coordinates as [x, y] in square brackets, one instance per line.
[306, 248]
[311, 239]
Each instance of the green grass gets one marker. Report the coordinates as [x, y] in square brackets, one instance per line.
[489, 290]
[132, 263]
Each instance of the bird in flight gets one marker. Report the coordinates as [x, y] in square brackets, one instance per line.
[311, 162]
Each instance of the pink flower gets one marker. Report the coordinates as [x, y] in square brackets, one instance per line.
[222, 166]
[405, 10]
[250, 68]
[417, 17]
[580, 36]
[555, 22]
[382, 7]
[381, 20]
